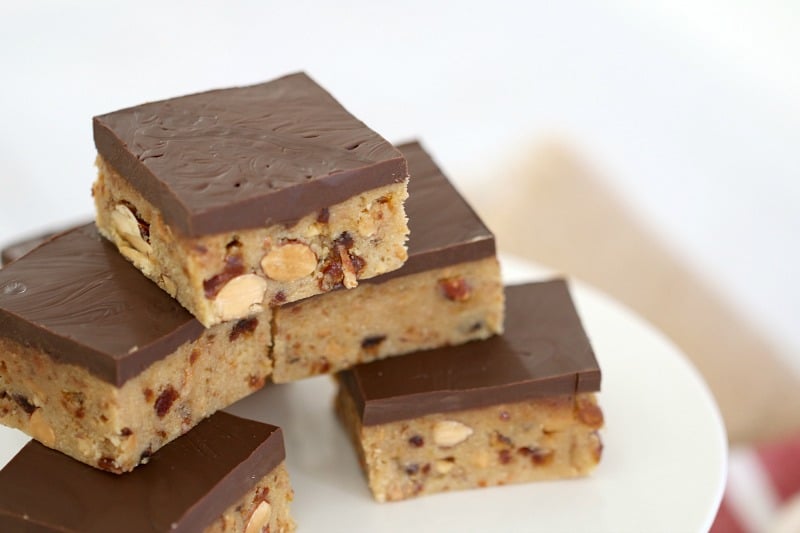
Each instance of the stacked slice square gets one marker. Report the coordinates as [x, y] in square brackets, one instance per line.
[236, 199]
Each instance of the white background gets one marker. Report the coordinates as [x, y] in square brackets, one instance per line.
[691, 108]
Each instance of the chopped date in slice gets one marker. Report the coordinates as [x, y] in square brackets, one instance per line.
[417, 441]
[373, 341]
[455, 289]
[332, 276]
[341, 267]
[243, 327]
[538, 456]
[24, 403]
[165, 400]
[504, 456]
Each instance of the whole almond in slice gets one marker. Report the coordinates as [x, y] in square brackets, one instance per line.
[259, 519]
[447, 433]
[240, 297]
[289, 262]
[126, 225]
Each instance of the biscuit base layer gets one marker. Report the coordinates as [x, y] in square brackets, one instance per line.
[264, 508]
[113, 428]
[331, 332]
[232, 275]
[549, 438]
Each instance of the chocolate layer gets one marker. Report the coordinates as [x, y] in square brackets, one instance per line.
[17, 249]
[185, 485]
[543, 352]
[76, 298]
[445, 230]
[246, 157]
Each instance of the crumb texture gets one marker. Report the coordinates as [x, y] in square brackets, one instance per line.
[231, 275]
[114, 428]
[550, 438]
[264, 508]
[440, 307]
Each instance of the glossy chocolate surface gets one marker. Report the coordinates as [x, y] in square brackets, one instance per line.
[445, 230]
[185, 486]
[13, 251]
[77, 299]
[543, 352]
[246, 157]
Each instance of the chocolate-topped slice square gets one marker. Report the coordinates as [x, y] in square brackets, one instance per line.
[99, 363]
[228, 474]
[448, 292]
[239, 198]
[514, 408]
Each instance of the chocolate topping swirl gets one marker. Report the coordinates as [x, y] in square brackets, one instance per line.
[246, 157]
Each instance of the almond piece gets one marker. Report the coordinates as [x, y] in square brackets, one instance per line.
[124, 222]
[259, 519]
[240, 297]
[289, 262]
[169, 285]
[40, 429]
[443, 467]
[447, 433]
[139, 260]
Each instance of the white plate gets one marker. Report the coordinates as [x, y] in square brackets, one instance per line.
[663, 466]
